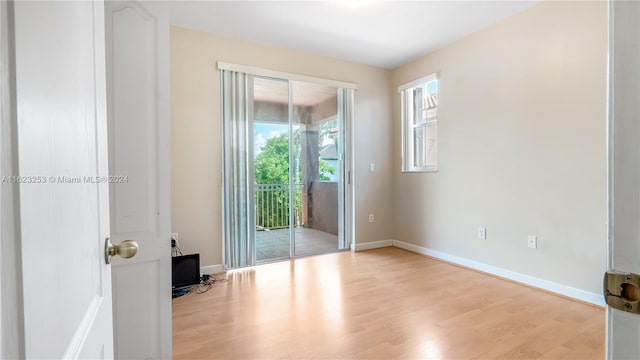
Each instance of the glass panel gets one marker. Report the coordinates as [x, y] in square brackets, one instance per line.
[431, 145]
[420, 127]
[271, 168]
[316, 167]
[419, 149]
[430, 101]
[425, 145]
[417, 105]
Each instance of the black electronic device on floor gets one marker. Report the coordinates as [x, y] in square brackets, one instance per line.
[185, 270]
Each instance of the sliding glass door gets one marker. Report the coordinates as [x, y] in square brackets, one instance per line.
[316, 167]
[298, 167]
[271, 168]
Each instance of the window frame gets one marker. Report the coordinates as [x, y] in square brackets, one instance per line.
[408, 127]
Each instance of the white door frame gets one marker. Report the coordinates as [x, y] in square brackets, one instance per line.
[11, 322]
[623, 131]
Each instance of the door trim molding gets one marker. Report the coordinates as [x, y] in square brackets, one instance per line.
[12, 342]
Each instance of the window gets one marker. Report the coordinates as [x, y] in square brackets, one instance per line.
[420, 125]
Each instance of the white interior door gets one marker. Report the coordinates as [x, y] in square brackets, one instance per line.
[137, 83]
[623, 328]
[62, 147]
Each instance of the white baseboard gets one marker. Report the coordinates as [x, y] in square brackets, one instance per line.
[211, 269]
[372, 245]
[547, 285]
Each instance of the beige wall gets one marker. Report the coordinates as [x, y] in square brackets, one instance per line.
[521, 146]
[196, 140]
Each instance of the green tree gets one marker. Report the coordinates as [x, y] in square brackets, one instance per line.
[271, 167]
[325, 168]
[272, 163]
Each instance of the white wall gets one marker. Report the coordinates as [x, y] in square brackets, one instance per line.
[521, 146]
[196, 141]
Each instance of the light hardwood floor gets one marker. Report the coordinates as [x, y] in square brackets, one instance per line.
[386, 304]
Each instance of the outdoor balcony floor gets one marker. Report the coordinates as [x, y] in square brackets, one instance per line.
[274, 244]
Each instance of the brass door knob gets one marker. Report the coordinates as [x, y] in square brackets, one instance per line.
[126, 249]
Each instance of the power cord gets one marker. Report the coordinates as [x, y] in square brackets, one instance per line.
[206, 284]
[175, 249]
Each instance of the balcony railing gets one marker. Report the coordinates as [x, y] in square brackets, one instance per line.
[272, 205]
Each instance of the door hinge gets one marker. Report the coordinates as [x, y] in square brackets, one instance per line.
[622, 291]
[349, 177]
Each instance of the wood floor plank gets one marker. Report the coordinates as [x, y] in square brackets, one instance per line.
[383, 303]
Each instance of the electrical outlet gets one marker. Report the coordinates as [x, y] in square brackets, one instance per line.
[174, 236]
[532, 241]
[372, 167]
[482, 233]
[371, 218]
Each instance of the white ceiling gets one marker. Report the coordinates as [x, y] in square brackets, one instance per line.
[380, 33]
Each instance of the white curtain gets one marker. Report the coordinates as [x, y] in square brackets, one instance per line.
[345, 114]
[237, 184]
